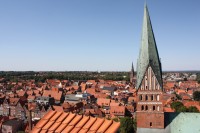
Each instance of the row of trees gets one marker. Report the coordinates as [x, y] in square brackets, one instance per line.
[82, 75]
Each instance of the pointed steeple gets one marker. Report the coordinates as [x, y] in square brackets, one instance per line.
[132, 69]
[132, 75]
[148, 55]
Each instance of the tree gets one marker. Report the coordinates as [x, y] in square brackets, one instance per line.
[126, 125]
[196, 95]
[177, 96]
[182, 109]
[116, 119]
[177, 106]
[192, 109]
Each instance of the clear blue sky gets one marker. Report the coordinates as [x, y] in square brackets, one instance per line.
[64, 35]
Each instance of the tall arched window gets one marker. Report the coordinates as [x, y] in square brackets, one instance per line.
[146, 107]
[142, 108]
[140, 97]
[146, 97]
[151, 97]
[154, 108]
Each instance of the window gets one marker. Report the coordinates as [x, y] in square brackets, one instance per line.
[150, 124]
[142, 108]
[146, 108]
[154, 108]
[146, 97]
[151, 97]
[140, 97]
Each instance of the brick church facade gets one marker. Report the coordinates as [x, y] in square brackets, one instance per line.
[149, 80]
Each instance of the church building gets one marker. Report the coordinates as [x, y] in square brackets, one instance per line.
[149, 80]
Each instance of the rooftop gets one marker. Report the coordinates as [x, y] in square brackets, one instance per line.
[55, 122]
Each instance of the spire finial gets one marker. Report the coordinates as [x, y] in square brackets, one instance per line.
[145, 3]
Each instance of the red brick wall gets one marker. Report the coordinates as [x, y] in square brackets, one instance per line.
[150, 120]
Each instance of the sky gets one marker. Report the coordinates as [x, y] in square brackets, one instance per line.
[95, 35]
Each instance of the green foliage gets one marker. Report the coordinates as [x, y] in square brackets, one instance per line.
[176, 105]
[179, 107]
[69, 75]
[177, 96]
[126, 125]
[135, 124]
[196, 95]
[116, 119]
[192, 109]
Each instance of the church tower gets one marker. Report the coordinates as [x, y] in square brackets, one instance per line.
[132, 81]
[149, 80]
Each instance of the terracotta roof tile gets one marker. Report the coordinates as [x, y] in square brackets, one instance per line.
[168, 109]
[83, 130]
[104, 126]
[76, 130]
[69, 118]
[50, 131]
[97, 124]
[60, 128]
[48, 125]
[41, 123]
[62, 117]
[82, 122]
[113, 128]
[75, 120]
[54, 126]
[57, 122]
[49, 115]
[67, 129]
[43, 131]
[88, 124]
[56, 116]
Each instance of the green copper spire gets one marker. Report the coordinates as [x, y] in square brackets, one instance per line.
[148, 55]
[132, 69]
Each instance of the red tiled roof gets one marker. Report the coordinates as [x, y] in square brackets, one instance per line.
[58, 122]
[168, 109]
[30, 97]
[54, 94]
[58, 108]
